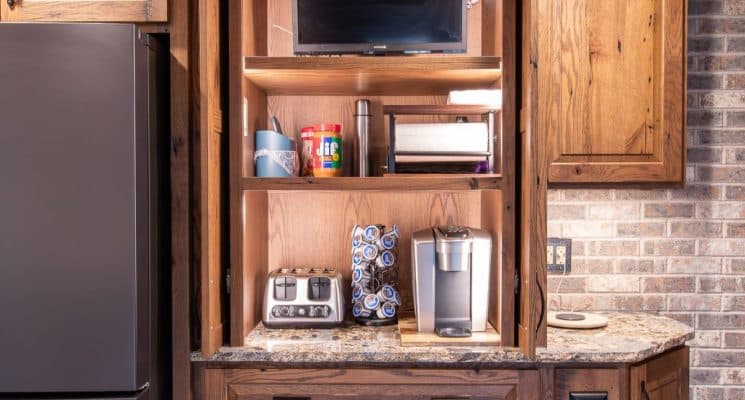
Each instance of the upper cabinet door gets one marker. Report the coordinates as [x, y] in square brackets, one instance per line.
[84, 10]
[616, 89]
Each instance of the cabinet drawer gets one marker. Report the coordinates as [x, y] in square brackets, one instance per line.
[370, 392]
[587, 384]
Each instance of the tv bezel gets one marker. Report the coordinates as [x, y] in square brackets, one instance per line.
[380, 48]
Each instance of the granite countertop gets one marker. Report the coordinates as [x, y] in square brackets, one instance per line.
[628, 338]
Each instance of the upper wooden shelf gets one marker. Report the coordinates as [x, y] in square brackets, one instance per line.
[387, 75]
[390, 182]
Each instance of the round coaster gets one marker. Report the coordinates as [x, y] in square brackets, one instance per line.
[576, 320]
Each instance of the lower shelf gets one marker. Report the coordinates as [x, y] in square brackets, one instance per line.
[391, 182]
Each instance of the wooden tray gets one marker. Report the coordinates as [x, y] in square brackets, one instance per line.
[410, 336]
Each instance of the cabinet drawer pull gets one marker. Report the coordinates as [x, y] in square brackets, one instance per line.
[645, 394]
[11, 3]
[290, 398]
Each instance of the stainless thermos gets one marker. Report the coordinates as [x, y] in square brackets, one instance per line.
[362, 117]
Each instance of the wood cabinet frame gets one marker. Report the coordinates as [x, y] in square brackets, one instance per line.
[85, 11]
[249, 101]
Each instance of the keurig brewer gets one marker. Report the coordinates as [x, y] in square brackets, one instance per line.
[451, 280]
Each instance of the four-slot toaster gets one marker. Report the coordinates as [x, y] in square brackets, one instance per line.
[303, 298]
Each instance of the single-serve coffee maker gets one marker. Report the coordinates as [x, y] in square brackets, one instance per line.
[451, 280]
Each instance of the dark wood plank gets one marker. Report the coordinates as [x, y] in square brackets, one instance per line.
[421, 182]
[181, 205]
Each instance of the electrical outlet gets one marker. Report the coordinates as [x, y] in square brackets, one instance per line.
[559, 255]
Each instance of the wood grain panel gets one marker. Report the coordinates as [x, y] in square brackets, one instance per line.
[407, 182]
[373, 391]
[587, 380]
[619, 71]
[391, 75]
[505, 16]
[181, 198]
[279, 15]
[389, 376]
[312, 228]
[535, 118]
[209, 185]
[410, 336]
[85, 11]
[664, 377]
[250, 275]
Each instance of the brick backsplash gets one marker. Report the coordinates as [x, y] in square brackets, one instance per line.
[677, 252]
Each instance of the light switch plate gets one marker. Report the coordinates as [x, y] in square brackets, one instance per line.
[559, 255]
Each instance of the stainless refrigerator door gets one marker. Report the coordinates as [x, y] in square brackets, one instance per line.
[73, 209]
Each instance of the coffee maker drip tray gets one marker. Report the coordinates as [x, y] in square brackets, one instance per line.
[453, 332]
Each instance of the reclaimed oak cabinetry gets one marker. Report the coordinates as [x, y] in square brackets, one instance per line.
[410, 384]
[614, 96]
[84, 11]
[662, 378]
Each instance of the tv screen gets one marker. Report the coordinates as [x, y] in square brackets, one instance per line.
[379, 26]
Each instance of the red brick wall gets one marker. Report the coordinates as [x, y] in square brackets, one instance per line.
[677, 252]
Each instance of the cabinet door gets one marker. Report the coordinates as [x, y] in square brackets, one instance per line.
[662, 378]
[616, 90]
[588, 384]
[84, 10]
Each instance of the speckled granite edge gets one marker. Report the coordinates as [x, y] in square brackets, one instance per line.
[629, 338]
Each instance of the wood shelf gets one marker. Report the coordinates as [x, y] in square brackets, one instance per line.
[389, 75]
[401, 183]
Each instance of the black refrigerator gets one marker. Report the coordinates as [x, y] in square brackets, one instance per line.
[84, 212]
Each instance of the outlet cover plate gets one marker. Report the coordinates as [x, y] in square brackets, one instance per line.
[559, 256]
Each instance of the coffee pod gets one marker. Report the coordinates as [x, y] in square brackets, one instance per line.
[372, 233]
[358, 310]
[387, 242]
[394, 231]
[387, 293]
[397, 299]
[359, 274]
[357, 242]
[368, 251]
[364, 266]
[371, 302]
[386, 259]
[387, 310]
[357, 231]
[359, 292]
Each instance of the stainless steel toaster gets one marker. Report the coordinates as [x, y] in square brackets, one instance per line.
[303, 298]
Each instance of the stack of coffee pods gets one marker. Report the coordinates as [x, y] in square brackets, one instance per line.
[375, 297]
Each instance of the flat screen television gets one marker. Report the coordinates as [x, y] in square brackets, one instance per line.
[379, 26]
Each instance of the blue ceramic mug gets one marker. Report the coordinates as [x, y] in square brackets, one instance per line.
[276, 155]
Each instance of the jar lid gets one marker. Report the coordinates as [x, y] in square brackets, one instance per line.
[328, 127]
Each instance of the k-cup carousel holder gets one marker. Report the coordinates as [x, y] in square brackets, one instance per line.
[375, 295]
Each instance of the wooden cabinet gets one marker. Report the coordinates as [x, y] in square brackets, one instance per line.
[319, 384]
[588, 384]
[612, 88]
[662, 378]
[84, 10]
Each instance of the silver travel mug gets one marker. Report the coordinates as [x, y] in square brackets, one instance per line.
[362, 118]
